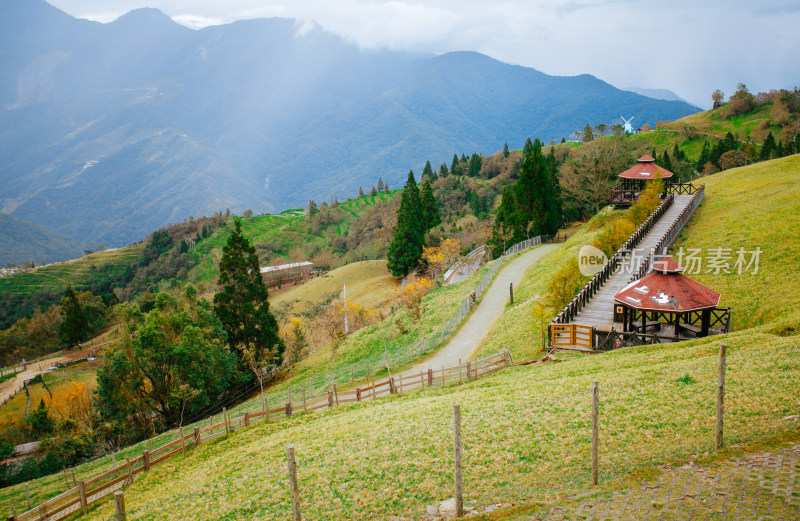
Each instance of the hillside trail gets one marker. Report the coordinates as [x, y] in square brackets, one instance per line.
[463, 345]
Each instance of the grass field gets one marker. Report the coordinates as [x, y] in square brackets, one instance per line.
[756, 206]
[526, 436]
[78, 272]
[369, 284]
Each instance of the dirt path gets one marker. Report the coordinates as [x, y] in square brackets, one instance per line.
[463, 345]
[11, 387]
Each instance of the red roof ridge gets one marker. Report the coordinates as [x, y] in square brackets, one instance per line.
[647, 158]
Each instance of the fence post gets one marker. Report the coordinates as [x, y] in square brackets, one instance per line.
[82, 492]
[247, 419]
[146, 460]
[336, 394]
[227, 425]
[28, 494]
[720, 396]
[74, 481]
[459, 485]
[119, 505]
[197, 436]
[595, 429]
[511, 293]
[130, 470]
[293, 483]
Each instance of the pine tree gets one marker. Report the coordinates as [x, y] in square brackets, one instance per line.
[443, 170]
[405, 250]
[184, 248]
[380, 184]
[312, 209]
[242, 306]
[429, 207]
[454, 165]
[506, 152]
[74, 327]
[474, 168]
[360, 192]
[768, 149]
[427, 172]
[666, 162]
[505, 223]
[373, 192]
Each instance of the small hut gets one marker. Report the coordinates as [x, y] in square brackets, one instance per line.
[633, 180]
[668, 302]
[286, 273]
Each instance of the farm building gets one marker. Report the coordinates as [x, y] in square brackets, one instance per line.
[286, 273]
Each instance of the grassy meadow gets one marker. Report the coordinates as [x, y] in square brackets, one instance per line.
[526, 437]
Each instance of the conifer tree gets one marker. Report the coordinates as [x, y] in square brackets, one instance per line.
[427, 172]
[242, 306]
[705, 156]
[768, 149]
[405, 250]
[380, 184]
[312, 209]
[506, 152]
[475, 162]
[360, 192]
[74, 326]
[454, 165]
[666, 162]
[429, 207]
[443, 170]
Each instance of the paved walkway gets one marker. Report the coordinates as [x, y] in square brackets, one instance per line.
[600, 309]
[763, 486]
[468, 338]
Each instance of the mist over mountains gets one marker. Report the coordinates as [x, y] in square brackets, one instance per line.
[108, 131]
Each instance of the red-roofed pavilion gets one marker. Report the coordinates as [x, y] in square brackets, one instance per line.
[667, 294]
[633, 180]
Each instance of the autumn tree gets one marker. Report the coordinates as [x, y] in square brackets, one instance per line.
[164, 363]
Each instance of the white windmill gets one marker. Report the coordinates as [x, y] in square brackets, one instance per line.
[628, 127]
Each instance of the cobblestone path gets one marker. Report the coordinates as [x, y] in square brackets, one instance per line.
[758, 487]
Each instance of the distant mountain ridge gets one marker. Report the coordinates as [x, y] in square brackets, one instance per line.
[22, 241]
[109, 131]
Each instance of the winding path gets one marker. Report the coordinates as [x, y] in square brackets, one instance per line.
[468, 338]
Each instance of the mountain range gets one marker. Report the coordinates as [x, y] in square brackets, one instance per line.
[108, 131]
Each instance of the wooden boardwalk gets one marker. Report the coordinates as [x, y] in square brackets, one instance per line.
[600, 309]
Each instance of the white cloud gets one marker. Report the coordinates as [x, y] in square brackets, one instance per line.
[688, 46]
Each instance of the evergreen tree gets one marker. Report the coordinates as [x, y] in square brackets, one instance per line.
[204, 232]
[779, 151]
[555, 181]
[242, 306]
[768, 149]
[443, 170]
[360, 192]
[405, 250]
[429, 207]
[464, 158]
[705, 156]
[184, 248]
[506, 152]
[74, 326]
[312, 209]
[373, 192]
[39, 420]
[665, 162]
[454, 165]
[506, 223]
[386, 188]
[427, 172]
[380, 184]
[475, 163]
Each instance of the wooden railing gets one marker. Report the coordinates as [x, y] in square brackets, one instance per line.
[77, 499]
[593, 286]
[668, 239]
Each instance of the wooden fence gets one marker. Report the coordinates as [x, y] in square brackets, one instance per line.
[78, 498]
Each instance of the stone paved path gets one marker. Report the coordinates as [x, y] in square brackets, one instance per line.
[758, 487]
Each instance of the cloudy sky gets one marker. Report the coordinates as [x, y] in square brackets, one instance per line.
[688, 46]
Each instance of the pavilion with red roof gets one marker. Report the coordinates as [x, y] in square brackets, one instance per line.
[666, 298]
[633, 180]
